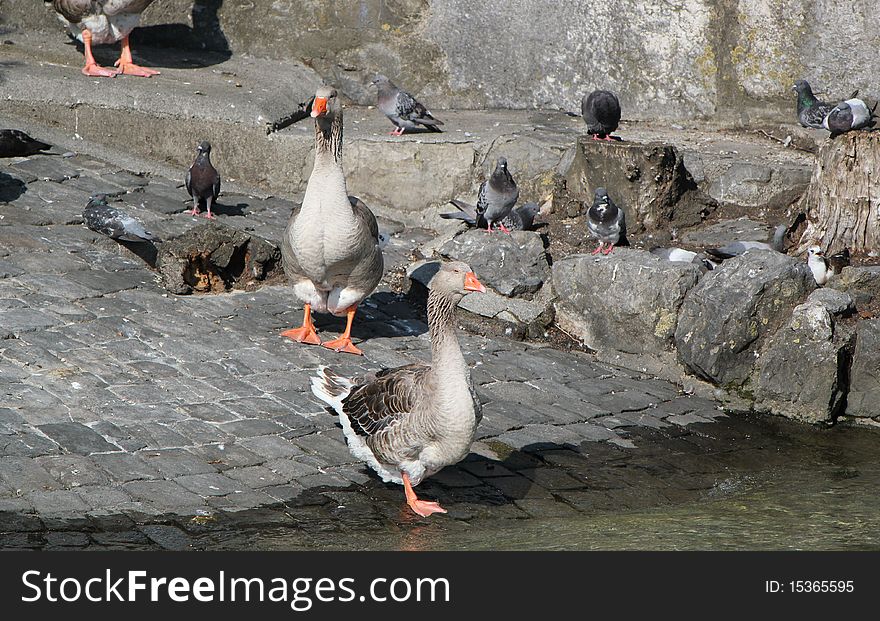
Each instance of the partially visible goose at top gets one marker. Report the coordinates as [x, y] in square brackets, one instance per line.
[101, 22]
[408, 423]
[331, 247]
[16, 143]
[601, 112]
[402, 109]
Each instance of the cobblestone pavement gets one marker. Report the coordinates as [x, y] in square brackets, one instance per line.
[126, 411]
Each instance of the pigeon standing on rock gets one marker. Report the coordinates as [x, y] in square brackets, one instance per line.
[114, 223]
[203, 181]
[402, 108]
[849, 115]
[810, 111]
[104, 21]
[496, 197]
[606, 222]
[521, 218]
[601, 112]
[16, 143]
[734, 249]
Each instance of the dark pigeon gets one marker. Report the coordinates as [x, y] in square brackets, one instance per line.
[203, 181]
[497, 196]
[737, 248]
[114, 223]
[520, 218]
[601, 112]
[606, 222]
[810, 111]
[849, 115]
[16, 143]
[402, 108]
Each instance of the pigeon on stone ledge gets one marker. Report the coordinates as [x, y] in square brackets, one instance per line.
[601, 112]
[16, 143]
[734, 249]
[203, 181]
[849, 115]
[114, 223]
[402, 108]
[606, 222]
[810, 111]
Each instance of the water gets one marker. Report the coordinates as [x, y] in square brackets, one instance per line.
[787, 487]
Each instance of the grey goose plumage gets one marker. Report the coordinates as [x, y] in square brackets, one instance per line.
[409, 422]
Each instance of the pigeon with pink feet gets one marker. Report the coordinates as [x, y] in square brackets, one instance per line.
[402, 109]
[601, 112]
[203, 181]
[606, 222]
[497, 196]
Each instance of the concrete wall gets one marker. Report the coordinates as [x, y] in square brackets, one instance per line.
[666, 58]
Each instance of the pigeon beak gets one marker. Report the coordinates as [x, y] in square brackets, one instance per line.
[472, 284]
[319, 107]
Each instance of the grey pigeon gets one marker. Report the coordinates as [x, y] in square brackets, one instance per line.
[606, 222]
[810, 111]
[496, 196]
[521, 218]
[849, 115]
[114, 223]
[203, 181]
[16, 143]
[737, 248]
[601, 112]
[684, 256]
[402, 108]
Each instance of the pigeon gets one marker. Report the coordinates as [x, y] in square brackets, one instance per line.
[16, 143]
[685, 256]
[104, 21]
[496, 197]
[114, 223]
[734, 249]
[606, 222]
[849, 115]
[203, 181]
[402, 108]
[521, 218]
[822, 271]
[601, 112]
[810, 111]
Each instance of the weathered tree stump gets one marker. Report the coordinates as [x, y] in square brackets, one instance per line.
[649, 181]
[842, 202]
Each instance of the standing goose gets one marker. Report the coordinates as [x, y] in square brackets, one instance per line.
[104, 21]
[408, 423]
[331, 246]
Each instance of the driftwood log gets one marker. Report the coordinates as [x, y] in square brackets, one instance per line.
[842, 202]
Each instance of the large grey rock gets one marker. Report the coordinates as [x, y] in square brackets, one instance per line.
[726, 317]
[864, 393]
[802, 373]
[727, 231]
[758, 185]
[513, 265]
[862, 283]
[628, 301]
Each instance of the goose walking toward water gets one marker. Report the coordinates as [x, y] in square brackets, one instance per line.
[408, 423]
[331, 249]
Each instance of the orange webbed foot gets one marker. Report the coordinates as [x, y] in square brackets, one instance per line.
[305, 334]
[97, 71]
[425, 507]
[136, 70]
[343, 344]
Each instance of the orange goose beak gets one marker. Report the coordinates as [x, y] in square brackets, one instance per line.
[319, 107]
[472, 284]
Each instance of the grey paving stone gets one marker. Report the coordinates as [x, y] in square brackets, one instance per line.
[168, 537]
[271, 447]
[227, 455]
[104, 497]
[124, 467]
[332, 451]
[687, 419]
[65, 539]
[173, 463]
[210, 484]
[57, 502]
[290, 468]
[77, 438]
[199, 432]
[166, 496]
[517, 487]
[21, 473]
[251, 427]
[256, 476]
[210, 412]
[73, 470]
